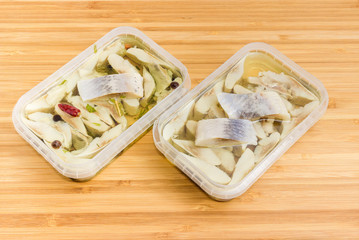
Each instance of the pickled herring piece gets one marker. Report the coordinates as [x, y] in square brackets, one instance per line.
[221, 132]
[253, 105]
[111, 84]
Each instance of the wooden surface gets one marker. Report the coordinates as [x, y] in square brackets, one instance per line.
[312, 192]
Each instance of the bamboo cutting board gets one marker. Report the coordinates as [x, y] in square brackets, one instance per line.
[312, 192]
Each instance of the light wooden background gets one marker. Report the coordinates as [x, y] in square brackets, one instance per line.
[312, 192]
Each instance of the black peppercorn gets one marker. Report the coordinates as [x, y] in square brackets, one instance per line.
[174, 85]
[56, 144]
[57, 118]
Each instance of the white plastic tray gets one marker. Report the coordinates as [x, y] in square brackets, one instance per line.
[86, 170]
[227, 192]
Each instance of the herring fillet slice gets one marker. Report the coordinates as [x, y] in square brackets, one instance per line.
[221, 132]
[253, 106]
[111, 84]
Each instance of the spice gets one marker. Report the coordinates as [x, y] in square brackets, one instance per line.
[56, 144]
[174, 85]
[56, 118]
[71, 110]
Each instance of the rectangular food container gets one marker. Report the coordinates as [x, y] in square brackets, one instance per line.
[226, 192]
[86, 170]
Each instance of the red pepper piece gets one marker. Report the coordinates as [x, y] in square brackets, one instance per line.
[71, 110]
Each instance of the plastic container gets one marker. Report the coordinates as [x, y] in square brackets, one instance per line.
[86, 170]
[227, 192]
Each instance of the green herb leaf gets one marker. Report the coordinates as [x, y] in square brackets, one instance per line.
[63, 82]
[95, 48]
[64, 150]
[90, 109]
[97, 124]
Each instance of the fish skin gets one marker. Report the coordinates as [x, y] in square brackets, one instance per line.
[222, 132]
[253, 106]
[111, 84]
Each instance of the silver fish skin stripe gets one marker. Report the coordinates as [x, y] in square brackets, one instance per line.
[221, 131]
[252, 105]
[111, 84]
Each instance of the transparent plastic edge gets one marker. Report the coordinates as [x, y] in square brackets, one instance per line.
[227, 192]
[78, 170]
